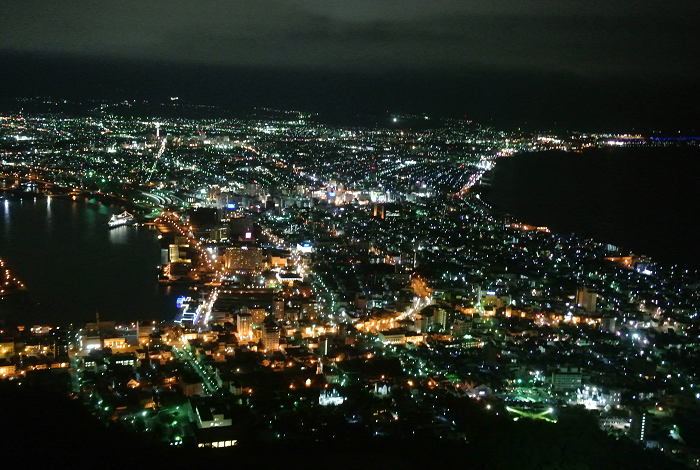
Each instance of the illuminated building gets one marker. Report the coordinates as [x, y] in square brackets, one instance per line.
[244, 323]
[144, 331]
[305, 247]
[421, 322]
[216, 437]
[114, 343]
[595, 397]
[218, 444]
[429, 318]
[392, 337]
[639, 426]
[440, 317]
[626, 261]
[270, 336]
[178, 253]
[323, 342]
[90, 363]
[289, 277]
[414, 338]
[88, 342]
[7, 369]
[586, 299]
[308, 310]
[210, 416]
[327, 398]
[379, 211]
[462, 325]
[128, 360]
[258, 315]
[279, 260]
[278, 307]
[292, 313]
[178, 270]
[645, 266]
[381, 390]
[243, 258]
[7, 348]
[566, 378]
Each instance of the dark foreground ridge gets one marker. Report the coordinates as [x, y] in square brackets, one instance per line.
[46, 428]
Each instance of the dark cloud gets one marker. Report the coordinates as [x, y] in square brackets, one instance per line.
[587, 38]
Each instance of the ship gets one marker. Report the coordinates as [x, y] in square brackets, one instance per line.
[122, 219]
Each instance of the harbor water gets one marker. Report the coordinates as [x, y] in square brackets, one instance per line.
[74, 265]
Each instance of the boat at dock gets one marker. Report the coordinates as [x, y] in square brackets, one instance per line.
[122, 219]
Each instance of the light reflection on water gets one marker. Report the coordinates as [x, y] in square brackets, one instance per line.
[120, 235]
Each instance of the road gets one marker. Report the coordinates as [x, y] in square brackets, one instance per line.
[208, 379]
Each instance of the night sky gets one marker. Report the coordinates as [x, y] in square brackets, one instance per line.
[606, 62]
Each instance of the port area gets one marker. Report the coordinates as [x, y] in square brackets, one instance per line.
[184, 258]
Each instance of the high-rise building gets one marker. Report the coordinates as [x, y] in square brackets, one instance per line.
[323, 343]
[244, 258]
[421, 322]
[586, 299]
[244, 324]
[308, 310]
[462, 325]
[278, 307]
[440, 317]
[270, 336]
[429, 318]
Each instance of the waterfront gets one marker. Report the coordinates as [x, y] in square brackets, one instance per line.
[74, 265]
[643, 200]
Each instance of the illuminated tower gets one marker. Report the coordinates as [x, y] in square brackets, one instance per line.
[270, 336]
[245, 326]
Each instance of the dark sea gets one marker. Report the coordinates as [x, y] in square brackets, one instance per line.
[74, 266]
[645, 200]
